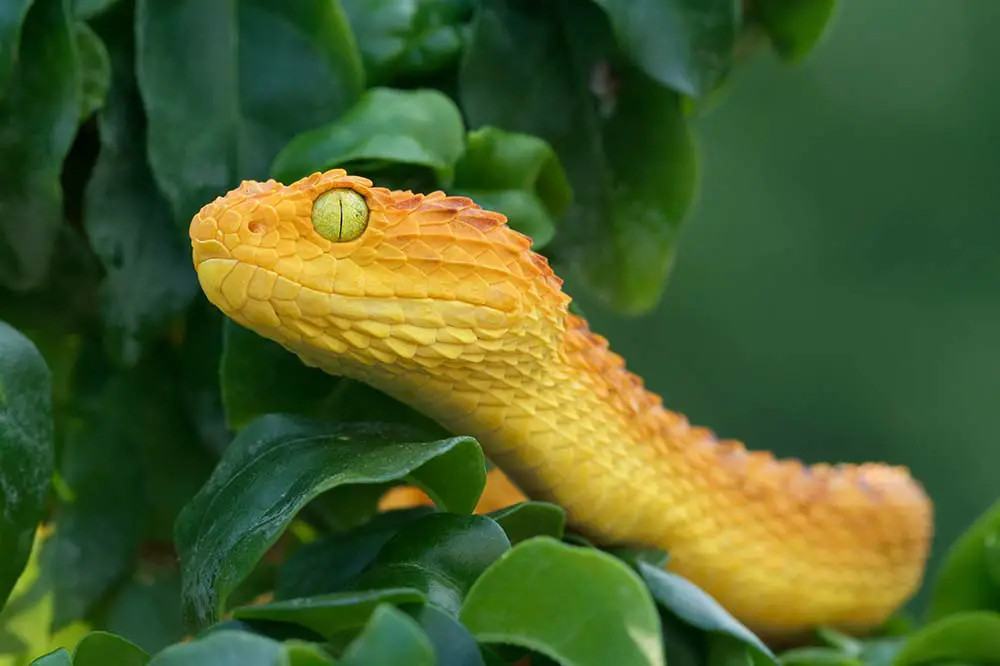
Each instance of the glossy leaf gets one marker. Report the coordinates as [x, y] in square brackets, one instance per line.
[684, 44]
[629, 156]
[452, 642]
[224, 76]
[818, 656]
[525, 520]
[413, 127]
[95, 69]
[440, 554]
[391, 638]
[58, 657]
[26, 449]
[330, 563]
[963, 581]
[101, 648]
[578, 606]
[329, 614]
[795, 27]
[407, 38]
[39, 112]
[224, 648]
[693, 605]
[970, 637]
[515, 174]
[148, 280]
[252, 366]
[12, 13]
[276, 465]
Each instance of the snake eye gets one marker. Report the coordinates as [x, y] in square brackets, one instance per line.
[340, 215]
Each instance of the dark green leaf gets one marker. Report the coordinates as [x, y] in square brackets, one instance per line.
[684, 44]
[629, 154]
[841, 641]
[453, 644]
[963, 582]
[515, 174]
[60, 657]
[652, 556]
[225, 75]
[577, 605]
[725, 650]
[327, 565]
[407, 38]
[26, 449]
[95, 70]
[329, 614]
[148, 276]
[147, 609]
[307, 654]
[276, 465]
[100, 648]
[252, 366]
[386, 126]
[795, 27]
[690, 603]
[440, 554]
[224, 648]
[12, 13]
[38, 120]
[971, 637]
[87, 9]
[818, 656]
[530, 519]
[391, 638]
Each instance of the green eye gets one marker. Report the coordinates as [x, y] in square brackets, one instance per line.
[340, 215]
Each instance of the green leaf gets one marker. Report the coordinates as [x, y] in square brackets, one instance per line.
[148, 279]
[224, 648]
[391, 638]
[39, 114]
[328, 614]
[225, 75]
[252, 366]
[517, 175]
[818, 656]
[691, 604]
[414, 127]
[684, 44]
[440, 554]
[796, 27]
[276, 465]
[652, 556]
[963, 581]
[525, 520]
[329, 564]
[95, 70]
[100, 648]
[453, 644]
[59, 657]
[307, 654]
[972, 637]
[630, 158]
[578, 606]
[147, 609]
[26, 449]
[12, 13]
[407, 38]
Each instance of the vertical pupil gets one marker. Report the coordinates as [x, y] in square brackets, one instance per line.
[340, 209]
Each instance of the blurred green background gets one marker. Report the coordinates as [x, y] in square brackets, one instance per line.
[835, 293]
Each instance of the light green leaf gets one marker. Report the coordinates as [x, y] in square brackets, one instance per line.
[971, 637]
[578, 606]
[963, 582]
[95, 69]
[453, 644]
[412, 127]
[59, 657]
[12, 13]
[390, 639]
[796, 27]
[100, 648]
[26, 449]
[329, 614]
[39, 112]
[817, 656]
[224, 648]
[224, 76]
[276, 465]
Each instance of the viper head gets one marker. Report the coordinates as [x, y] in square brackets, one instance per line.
[333, 262]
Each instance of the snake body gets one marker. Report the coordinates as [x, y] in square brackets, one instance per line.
[443, 306]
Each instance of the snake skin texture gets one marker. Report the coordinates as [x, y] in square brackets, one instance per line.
[443, 306]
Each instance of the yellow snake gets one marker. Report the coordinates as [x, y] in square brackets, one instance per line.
[442, 305]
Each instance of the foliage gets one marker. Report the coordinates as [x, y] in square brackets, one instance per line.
[177, 490]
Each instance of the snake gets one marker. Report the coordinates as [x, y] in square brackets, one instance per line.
[439, 303]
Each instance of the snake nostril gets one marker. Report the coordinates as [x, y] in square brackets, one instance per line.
[255, 227]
